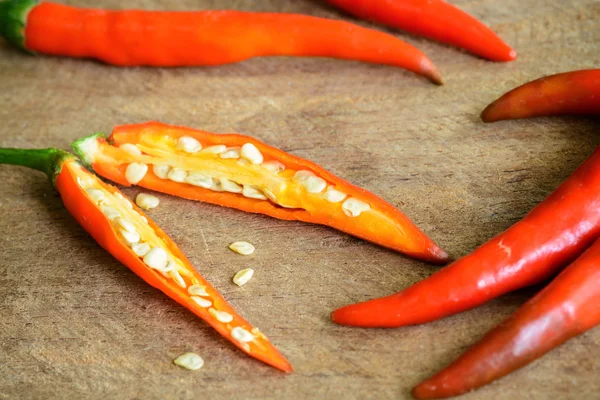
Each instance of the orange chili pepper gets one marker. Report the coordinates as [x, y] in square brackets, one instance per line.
[167, 39]
[240, 172]
[121, 228]
[576, 93]
[567, 307]
[435, 19]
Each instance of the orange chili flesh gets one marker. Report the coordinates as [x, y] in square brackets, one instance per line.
[197, 38]
[121, 228]
[567, 307]
[569, 93]
[223, 171]
[435, 19]
[532, 250]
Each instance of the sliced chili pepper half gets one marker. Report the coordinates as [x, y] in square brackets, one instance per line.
[121, 228]
[240, 172]
[573, 93]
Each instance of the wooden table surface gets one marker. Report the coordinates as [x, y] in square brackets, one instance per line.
[77, 324]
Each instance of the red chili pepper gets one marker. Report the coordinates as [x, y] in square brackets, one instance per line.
[167, 39]
[136, 241]
[435, 19]
[240, 172]
[532, 250]
[567, 307]
[576, 92]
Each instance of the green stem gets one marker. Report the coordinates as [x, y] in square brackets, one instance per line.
[13, 18]
[48, 161]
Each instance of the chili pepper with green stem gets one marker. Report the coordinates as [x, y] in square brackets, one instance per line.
[567, 307]
[569, 93]
[238, 171]
[532, 250]
[435, 19]
[121, 228]
[195, 38]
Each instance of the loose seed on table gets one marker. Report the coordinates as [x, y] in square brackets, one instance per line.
[353, 207]
[221, 316]
[241, 247]
[241, 335]
[135, 172]
[191, 361]
[146, 201]
[188, 144]
[243, 276]
[131, 149]
[251, 153]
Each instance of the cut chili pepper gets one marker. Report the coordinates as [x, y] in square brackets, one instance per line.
[168, 39]
[532, 250]
[567, 307]
[136, 241]
[240, 172]
[435, 19]
[575, 93]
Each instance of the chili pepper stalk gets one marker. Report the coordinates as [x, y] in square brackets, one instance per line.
[241, 172]
[121, 229]
[534, 249]
[197, 38]
[567, 307]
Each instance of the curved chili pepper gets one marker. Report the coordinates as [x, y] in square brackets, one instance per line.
[567, 307]
[435, 19]
[530, 251]
[240, 172]
[576, 92]
[168, 39]
[136, 241]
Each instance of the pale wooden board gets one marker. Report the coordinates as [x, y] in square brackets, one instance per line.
[77, 324]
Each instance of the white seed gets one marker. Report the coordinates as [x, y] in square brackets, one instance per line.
[314, 184]
[141, 249]
[241, 247]
[243, 276]
[333, 195]
[216, 186]
[245, 347]
[303, 174]
[123, 200]
[177, 278]
[197, 179]
[204, 303]
[354, 207]
[232, 152]
[270, 195]
[96, 195]
[230, 186]
[156, 258]
[135, 172]
[243, 162]
[221, 316]
[198, 290]
[125, 224]
[191, 361]
[110, 212]
[177, 175]
[273, 166]
[161, 170]
[253, 193]
[216, 149]
[130, 149]
[251, 153]
[241, 335]
[130, 237]
[188, 144]
[80, 182]
[146, 201]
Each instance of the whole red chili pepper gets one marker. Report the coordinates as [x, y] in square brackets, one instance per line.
[167, 39]
[435, 19]
[240, 172]
[136, 241]
[567, 307]
[576, 92]
[530, 251]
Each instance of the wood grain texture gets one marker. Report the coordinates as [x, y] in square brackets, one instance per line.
[77, 324]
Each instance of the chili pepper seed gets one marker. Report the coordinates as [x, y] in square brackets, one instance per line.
[354, 207]
[204, 303]
[191, 361]
[221, 316]
[241, 247]
[241, 335]
[188, 144]
[135, 172]
[251, 153]
[147, 201]
[243, 276]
